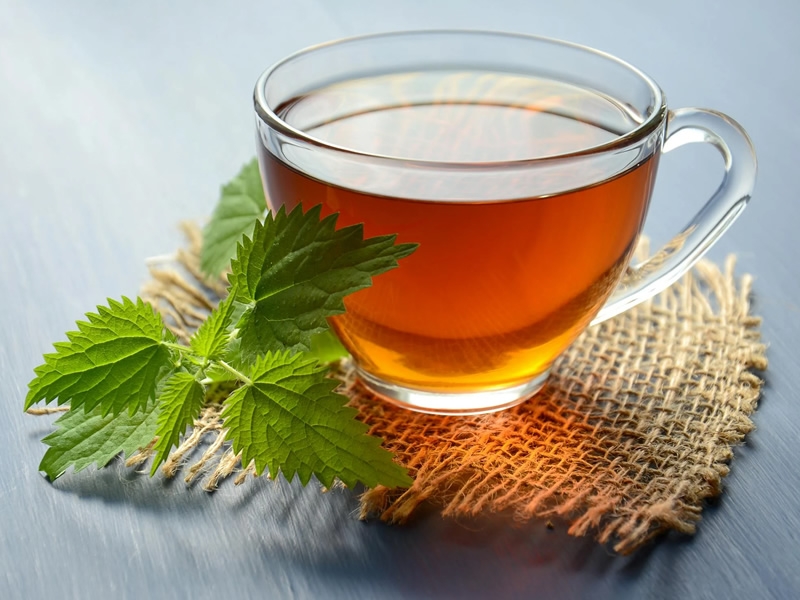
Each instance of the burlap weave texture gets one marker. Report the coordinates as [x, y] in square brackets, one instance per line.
[632, 433]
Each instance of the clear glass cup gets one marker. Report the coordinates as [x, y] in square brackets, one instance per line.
[523, 166]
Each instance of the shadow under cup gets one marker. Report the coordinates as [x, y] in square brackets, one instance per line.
[521, 166]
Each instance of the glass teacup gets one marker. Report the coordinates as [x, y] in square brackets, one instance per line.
[523, 167]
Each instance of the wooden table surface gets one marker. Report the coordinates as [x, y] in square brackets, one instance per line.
[119, 119]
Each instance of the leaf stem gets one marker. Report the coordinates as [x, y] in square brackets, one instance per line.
[187, 354]
[239, 375]
[178, 347]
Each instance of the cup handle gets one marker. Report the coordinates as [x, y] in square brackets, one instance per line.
[687, 126]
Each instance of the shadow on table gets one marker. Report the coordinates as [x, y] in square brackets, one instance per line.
[314, 540]
[477, 557]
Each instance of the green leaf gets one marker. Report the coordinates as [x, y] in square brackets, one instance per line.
[289, 419]
[326, 348]
[113, 361]
[211, 339]
[216, 374]
[296, 271]
[83, 438]
[180, 402]
[241, 204]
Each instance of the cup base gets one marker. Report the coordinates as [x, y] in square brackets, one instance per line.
[452, 403]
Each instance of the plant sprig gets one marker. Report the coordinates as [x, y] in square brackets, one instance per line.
[130, 384]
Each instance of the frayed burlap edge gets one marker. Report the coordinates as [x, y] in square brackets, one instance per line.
[634, 430]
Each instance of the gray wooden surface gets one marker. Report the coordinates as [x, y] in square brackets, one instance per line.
[118, 119]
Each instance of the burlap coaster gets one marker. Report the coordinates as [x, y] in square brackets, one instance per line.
[633, 431]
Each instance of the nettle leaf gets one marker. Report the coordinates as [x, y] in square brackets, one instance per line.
[216, 374]
[211, 340]
[295, 272]
[326, 348]
[241, 205]
[84, 438]
[113, 361]
[289, 419]
[180, 402]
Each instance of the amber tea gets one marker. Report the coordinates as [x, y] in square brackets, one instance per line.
[498, 288]
[522, 165]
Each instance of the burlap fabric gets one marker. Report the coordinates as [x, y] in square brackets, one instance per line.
[632, 433]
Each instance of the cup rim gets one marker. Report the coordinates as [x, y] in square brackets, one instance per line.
[644, 129]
